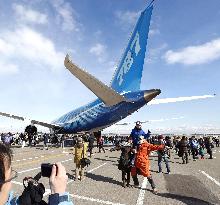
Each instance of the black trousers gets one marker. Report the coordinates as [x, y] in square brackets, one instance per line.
[90, 150]
[194, 153]
[126, 176]
[209, 151]
[101, 148]
[185, 157]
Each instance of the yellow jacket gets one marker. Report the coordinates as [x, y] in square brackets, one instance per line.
[79, 153]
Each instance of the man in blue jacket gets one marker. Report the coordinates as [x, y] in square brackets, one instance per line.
[136, 133]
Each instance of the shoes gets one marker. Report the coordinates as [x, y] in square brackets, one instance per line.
[136, 185]
[80, 178]
[168, 172]
[155, 191]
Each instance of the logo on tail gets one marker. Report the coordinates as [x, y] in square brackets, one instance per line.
[129, 71]
[129, 59]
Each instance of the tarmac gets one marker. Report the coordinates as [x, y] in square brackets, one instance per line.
[196, 183]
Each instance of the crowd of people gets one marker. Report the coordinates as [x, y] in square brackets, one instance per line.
[136, 150]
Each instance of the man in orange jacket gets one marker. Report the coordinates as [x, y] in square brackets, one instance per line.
[142, 162]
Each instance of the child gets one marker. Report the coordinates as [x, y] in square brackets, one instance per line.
[202, 151]
[125, 163]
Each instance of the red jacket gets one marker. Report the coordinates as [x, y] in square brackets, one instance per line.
[142, 161]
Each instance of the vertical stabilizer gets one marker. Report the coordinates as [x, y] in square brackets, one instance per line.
[128, 74]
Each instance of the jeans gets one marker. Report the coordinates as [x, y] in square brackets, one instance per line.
[185, 157]
[165, 159]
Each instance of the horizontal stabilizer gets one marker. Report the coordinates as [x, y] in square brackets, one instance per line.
[16, 117]
[178, 99]
[12, 116]
[106, 94]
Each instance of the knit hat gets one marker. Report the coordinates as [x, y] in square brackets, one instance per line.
[79, 140]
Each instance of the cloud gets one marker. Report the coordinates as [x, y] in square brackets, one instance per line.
[153, 32]
[26, 44]
[186, 129]
[66, 15]
[154, 53]
[5, 47]
[99, 50]
[183, 129]
[8, 68]
[195, 55]
[126, 18]
[27, 15]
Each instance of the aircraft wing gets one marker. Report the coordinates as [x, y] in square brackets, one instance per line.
[178, 99]
[106, 94]
[44, 124]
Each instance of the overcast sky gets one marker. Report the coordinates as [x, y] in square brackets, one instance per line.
[182, 59]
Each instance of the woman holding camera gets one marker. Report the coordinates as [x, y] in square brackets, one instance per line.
[58, 181]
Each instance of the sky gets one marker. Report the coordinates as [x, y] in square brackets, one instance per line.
[182, 59]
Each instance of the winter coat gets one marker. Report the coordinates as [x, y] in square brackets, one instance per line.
[135, 134]
[142, 161]
[183, 146]
[208, 145]
[124, 162]
[79, 153]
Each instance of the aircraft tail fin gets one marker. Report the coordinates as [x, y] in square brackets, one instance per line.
[128, 74]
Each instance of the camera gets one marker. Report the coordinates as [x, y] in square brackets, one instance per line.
[46, 169]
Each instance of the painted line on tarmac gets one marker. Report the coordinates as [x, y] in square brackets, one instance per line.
[140, 200]
[34, 157]
[96, 168]
[37, 160]
[94, 200]
[89, 172]
[28, 170]
[211, 178]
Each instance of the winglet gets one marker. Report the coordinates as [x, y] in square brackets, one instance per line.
[106, 94]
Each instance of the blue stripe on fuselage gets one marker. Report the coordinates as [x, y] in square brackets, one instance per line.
[96, 114]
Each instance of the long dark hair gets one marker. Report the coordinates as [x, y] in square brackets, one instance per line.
[5, 161]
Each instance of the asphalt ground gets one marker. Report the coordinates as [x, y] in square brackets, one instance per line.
[196, 183]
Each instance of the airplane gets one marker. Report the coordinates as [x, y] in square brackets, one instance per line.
[118, 100]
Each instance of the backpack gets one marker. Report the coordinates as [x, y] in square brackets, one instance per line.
[32, 194]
